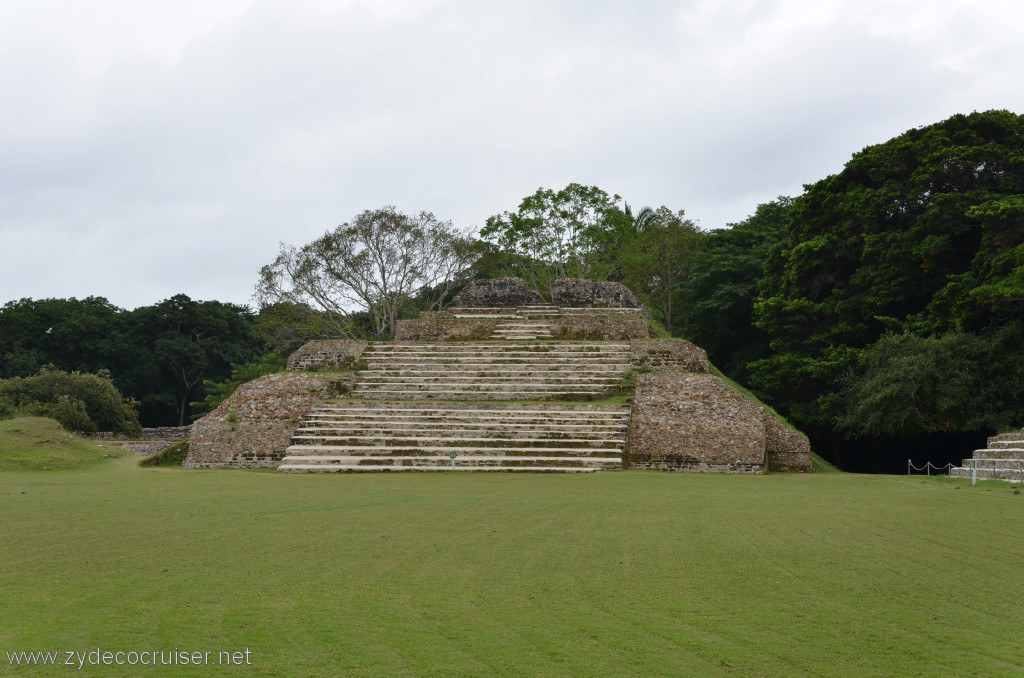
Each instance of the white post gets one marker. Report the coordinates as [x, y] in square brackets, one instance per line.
[974, 471]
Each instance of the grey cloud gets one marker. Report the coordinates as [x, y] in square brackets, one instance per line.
[277, 121]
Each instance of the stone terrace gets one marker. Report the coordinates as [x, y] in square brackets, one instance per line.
[403, 433]
[361, 436]
[491, 371]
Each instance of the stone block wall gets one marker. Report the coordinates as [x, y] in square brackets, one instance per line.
[497, 293]
[168, 434]
[328, 353]
[695, 422]
[785, 449]
[586, 293]
[597, 326]
[622, 324]
[152, 439]
[254, 426]
[439, 328]
[668, 355]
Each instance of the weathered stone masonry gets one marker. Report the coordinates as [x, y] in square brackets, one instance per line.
[254, 426]
[691, 421]
[694, 422]
[335, 353]
[497, 293]
[565, 324]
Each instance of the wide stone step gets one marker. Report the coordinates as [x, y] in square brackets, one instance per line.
[568, 378]
[532, 349]
[473, 364]
[1006, 443]
[489, 422]
[492, 421]
[486, 427]
[459, 436]
[999, 453]
[560, 412]
[511, 371]
[528, 324]
[366, 388]
[508, 425]
[303, 468]
[462, 460]
[413, 451]
[520, 357]
[453, 441]
[316, 425]
[1013, 463]
[1010, 475]
[496, 408]
[517, 336]
[496, 353]
[465, 396]
[449, 395]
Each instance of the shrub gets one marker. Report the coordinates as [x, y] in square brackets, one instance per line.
[7, 408]
[80, 402]
[69, 412]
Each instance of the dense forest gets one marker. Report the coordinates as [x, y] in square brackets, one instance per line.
[882, 310]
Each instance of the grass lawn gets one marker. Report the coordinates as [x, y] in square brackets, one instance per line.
[610, 574]
[40, 443]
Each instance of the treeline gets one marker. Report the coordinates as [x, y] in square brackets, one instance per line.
[158, 355]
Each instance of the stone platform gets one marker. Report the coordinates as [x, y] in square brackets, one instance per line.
[360, 436]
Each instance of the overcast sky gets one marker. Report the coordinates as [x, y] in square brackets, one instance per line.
[153, 148]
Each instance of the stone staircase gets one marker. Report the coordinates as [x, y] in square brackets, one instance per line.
[513, 330]
[469, 371]
[532, 321]
[424, 407]
[1002, 459]
[393, 436]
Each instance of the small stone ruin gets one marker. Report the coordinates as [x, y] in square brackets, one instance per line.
[497, 293]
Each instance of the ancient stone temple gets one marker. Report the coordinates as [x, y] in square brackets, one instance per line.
[502, 381]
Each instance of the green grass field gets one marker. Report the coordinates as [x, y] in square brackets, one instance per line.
[611, 574]
[39, 443]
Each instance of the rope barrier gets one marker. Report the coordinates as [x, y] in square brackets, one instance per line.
[928, 465]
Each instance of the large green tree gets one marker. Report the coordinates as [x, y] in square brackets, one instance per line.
[181, 342]
[76, 335]
[723, 284]
[919, 234]
[660, 260]
[911, 386]
[577, 232]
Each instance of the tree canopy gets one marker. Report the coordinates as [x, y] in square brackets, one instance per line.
[577, 232]
[157, 354]
[920, 234]
[375, 264]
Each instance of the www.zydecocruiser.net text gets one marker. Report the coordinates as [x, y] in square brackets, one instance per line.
[99, 657]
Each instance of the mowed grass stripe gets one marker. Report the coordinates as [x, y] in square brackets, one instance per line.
[632, 573]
